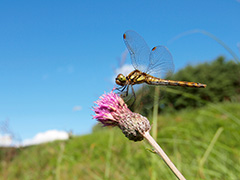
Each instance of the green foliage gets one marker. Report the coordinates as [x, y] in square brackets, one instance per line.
[97, 127]
[185, 137]
[221, 77]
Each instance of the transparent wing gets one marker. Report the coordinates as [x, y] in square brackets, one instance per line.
[138, 49]
[160, 62]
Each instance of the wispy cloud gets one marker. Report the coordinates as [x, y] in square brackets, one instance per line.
[66, 69]
[5, 140]
[77, 108]
[44, 137]
[45, 76]
[70, 69]
[125, 70]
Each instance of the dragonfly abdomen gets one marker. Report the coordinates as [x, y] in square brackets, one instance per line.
[164, 82]
[186, 84]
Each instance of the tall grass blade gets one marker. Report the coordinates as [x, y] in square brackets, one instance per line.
[236, 58]
[108, 156]
[209, 149]
[59, 160]
[154, 129]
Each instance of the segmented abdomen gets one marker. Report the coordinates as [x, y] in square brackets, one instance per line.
[157, 81]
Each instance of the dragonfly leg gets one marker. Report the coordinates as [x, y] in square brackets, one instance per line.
[119, 88]
[122, 92]
[122, 88]
[127, 90]
[134, 96]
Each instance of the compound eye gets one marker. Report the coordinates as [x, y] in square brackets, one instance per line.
[121, 77]
[121, 80]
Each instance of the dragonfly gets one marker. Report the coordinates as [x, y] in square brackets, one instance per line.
[151, 66]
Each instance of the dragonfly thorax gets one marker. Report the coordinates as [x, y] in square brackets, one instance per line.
[121, 80]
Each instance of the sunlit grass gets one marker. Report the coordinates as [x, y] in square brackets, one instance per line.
[191, 139]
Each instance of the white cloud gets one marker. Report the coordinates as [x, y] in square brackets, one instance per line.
[77, 108]
[125, 70]
[5, 140]
[48, 136]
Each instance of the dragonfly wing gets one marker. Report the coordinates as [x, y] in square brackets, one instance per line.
[134, 99]
[146, 97]
[160, 62]
[138, 49]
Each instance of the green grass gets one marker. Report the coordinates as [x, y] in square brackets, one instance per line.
[202, 143]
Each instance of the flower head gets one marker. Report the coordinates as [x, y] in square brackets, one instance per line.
[111, 110]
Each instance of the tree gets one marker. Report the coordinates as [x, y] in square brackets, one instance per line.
[223, 84]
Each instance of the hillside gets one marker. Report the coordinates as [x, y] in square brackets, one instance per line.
[106, 154]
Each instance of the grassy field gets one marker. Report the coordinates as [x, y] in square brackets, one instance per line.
[202, 143]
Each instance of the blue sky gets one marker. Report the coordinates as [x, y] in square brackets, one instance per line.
[58, 57]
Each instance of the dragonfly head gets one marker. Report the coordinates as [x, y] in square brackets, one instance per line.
[121, 80]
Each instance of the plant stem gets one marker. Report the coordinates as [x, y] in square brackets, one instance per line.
[162, 154]
[154, 130]
[108, 155]
[209, 149]
[59, 159]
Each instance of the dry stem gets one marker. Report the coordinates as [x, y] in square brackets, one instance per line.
[162, 154]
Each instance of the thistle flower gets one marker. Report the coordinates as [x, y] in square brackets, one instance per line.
[111, 110]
